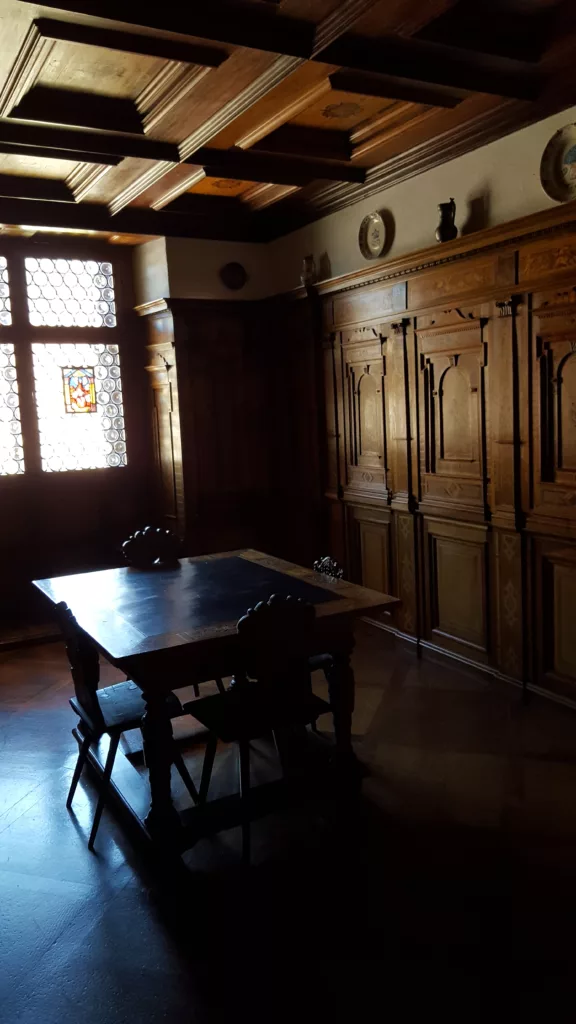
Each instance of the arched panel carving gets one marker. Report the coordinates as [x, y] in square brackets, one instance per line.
[369, 414]
[456, 417]
[364, 353]
[566, 415]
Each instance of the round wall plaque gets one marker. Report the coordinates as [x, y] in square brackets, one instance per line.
[558, 165]
[233, 276]
[372, 236]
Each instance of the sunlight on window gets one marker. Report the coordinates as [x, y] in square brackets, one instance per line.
[5, 307]
[80, 406]
[70, 293]
[11, 450]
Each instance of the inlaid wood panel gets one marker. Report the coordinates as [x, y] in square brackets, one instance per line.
[457, 574]
[370, 547]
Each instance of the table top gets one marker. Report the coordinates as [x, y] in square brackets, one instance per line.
[130, 612]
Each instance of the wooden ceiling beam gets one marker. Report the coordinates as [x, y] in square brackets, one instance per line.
[78, 110]
[385, 86]
[239, 24]
[435, 64]
[74, 155]
[89, 143]
[17, 186]
[248, 165]
[131, 42]
[96, 217]
[300, 140]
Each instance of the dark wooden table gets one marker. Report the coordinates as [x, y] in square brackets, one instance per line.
[170, 628]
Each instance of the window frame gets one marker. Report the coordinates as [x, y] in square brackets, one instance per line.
[22, 334]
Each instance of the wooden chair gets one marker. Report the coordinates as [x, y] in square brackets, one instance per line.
[327, 567]
[112, 710]
[271, 691]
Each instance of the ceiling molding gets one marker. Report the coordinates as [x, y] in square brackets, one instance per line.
[378, 139]
[89, 142]
[171, 85]
[343, 18]
[177, 190]
[263, 195]
[131, 42]
[139, 185]
[84, 177]
[30, 60]
[436, 64]
[365, 84]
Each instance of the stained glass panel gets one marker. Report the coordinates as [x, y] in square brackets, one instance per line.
[70, 293]
[5, 307]
[79, 388]
[69, 442]
[11, 449]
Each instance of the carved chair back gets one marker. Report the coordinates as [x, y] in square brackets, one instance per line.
[277, 640]
[84, 664]
[329, 567]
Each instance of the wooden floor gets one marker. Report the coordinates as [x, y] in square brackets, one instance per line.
[458, 864]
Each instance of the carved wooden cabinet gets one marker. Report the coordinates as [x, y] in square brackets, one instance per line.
[450, 462]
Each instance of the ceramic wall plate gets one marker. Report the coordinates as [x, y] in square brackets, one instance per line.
[372, 236]
[558, 165]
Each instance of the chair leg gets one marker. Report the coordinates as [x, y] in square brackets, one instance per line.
[185, 774]
[244, 760]
[220, 685]
[82, 755]
[114, 741]
[207, 767]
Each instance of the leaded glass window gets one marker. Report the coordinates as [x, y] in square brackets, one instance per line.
[5, 307]
[70, 293]
[72, 380]
[11, 448]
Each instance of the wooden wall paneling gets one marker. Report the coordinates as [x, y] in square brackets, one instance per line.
[365, 413]
[331, 477]
[453, 370]
[398, 413]
[509, 364]
[554, 405]
[554, 566]
[457, 587]
[371, 547]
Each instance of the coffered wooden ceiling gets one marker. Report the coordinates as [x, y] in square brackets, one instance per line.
[246, 119]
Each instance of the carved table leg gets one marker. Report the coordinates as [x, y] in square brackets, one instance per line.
[162, 821]
[341, 689]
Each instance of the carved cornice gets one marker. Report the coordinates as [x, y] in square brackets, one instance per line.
[29, 62]
[558, 220]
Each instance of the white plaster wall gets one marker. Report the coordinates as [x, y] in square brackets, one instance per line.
[151, 271]
[194, 265]
[506, 173]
